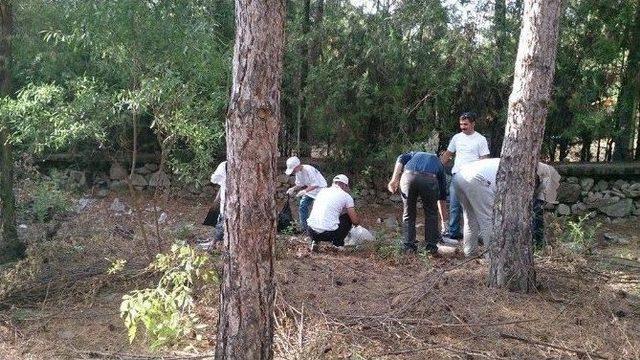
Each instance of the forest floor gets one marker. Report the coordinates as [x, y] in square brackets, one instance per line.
[369, 302]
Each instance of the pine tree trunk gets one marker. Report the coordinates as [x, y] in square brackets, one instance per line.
[245, 327]
[10, 246]
[628, 97]
[511, 246]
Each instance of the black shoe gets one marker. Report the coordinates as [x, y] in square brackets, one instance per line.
[314, 247]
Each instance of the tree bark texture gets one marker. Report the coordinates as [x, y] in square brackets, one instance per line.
[511, 246]
[10, 246]
[245, 326]
[628, 97]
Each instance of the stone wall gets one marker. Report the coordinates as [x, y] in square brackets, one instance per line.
[615, 198]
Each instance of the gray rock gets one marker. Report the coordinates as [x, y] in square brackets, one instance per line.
[159, 179]
[563, 209]
[117, 206]
[138, 180]
[102, 193]
[621, 208]
[579, 208]
[78, 177]
[395, 198]
[633, 191]
[568, 192]
[117, 172]
[620, 184]
[616, 238]
[142, 171]
[586, 184]
[151, 167]
[572, 180]
[601, 185]
[117, 185]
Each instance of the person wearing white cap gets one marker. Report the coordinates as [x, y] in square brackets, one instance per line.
[333, 214]
[476, 184]
[308, 183]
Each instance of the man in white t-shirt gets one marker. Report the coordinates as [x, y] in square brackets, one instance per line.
[475, 185]
[309, 181]
[468, 145]
[333, 214]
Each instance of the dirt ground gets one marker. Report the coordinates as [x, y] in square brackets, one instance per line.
[369, 302]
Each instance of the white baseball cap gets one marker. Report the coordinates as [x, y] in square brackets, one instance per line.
[341, 178]
[292, 163]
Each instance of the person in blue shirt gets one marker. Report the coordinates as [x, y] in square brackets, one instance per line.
[419, 174]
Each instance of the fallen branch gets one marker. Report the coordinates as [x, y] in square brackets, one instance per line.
[557, 347]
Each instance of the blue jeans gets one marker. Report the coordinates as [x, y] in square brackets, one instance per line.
[304, 209]
[455, 211]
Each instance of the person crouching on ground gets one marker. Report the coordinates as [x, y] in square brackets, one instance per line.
[308, 183]
[422, 176]
[476, 184]
[333, 214]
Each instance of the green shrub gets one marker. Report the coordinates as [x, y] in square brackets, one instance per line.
[49, 200]
[579, 236]
[167, 311]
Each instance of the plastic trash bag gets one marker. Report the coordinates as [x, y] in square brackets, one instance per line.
[357, 236]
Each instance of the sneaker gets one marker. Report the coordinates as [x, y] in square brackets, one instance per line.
[450, 241]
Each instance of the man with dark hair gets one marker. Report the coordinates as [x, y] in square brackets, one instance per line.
[468, 146]
[422, 176]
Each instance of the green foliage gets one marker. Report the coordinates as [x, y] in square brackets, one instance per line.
[579, 235]
[49, 200]
[167, 311]
[116, 266]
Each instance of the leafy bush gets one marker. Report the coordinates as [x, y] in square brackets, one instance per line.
[167, 311]
[49, 200]
[579, 235]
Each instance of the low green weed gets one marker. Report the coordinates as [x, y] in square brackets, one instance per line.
[167, 311]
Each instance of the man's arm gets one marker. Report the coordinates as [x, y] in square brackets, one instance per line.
[484, 149]
[395, 178]
[446, 157]
[355, 220]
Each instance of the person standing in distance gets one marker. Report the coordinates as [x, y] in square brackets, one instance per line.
[309, 181]
[468, 145]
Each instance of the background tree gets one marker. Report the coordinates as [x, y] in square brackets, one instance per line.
[511, 248]
[11, 247]
[627, 106]
[245, 326]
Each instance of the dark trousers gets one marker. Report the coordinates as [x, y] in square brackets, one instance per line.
[537, 223]
[426, 187]
[336, 236]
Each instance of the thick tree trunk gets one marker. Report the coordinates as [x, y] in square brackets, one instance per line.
[245, 327]
[511, 246]
[628, 97]
[10, 246]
